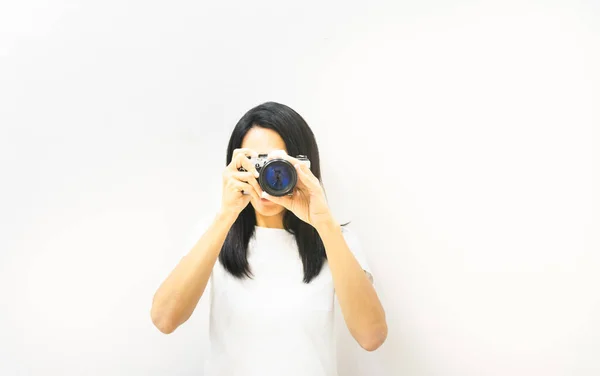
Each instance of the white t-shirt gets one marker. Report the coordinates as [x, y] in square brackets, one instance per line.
[273, 324]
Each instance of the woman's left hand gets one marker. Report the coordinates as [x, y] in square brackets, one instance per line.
[308, 200]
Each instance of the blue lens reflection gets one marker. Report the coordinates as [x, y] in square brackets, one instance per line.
[277, 176]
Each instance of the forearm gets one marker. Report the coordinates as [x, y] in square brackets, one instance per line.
[360, 305]
[177, 297]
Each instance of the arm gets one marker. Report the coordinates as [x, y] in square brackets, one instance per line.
[177, 297]
[361, 308]
[360, 305]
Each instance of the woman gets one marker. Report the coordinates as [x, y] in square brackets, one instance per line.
[280, 260]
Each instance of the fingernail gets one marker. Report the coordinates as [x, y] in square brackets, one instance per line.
[256, 174]
[264, 195]
[297, 165]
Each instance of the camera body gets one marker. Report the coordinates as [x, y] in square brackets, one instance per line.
[277, 176]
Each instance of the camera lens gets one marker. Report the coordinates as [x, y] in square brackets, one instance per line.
[277, 177]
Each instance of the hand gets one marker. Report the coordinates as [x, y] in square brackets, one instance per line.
[236, 183]
[308, 200]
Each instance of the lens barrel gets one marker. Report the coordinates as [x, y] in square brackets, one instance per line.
[277, 177]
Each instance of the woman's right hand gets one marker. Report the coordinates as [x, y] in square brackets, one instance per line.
[236, 182]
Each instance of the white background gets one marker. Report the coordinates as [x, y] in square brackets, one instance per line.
[461, 138]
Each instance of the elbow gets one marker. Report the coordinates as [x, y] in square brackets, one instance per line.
[375, 339]
[165, 327]
[372, 345]
[162, 322]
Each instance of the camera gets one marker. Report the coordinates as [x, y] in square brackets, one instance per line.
[276, 176]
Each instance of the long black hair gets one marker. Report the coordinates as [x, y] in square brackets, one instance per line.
[299, 139]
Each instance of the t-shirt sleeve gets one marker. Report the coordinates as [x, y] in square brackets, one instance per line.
[356, 249]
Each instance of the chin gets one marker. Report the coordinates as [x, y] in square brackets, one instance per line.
[267, 210]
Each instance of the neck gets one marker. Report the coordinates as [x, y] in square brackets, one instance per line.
[275, 221]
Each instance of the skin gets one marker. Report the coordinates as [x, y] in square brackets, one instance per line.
[263, 141]
[178, 295]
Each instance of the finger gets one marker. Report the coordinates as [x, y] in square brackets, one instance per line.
[242, 160]
[246, 151]
[248, 177]
[243, 176]
[248, 165]
[285, 201]
[236, 157]
[245, 189]
[306, 177]
[236, 161]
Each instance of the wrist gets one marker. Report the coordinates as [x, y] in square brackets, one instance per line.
[226, 216]
[326, 224]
